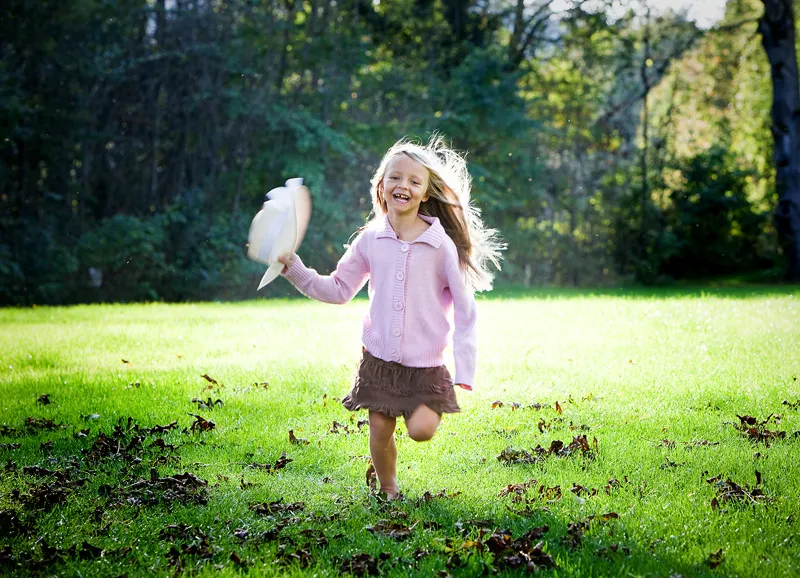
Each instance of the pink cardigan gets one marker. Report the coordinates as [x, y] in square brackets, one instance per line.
[417, 292]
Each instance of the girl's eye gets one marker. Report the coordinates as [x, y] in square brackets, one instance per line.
[392, 178]
[416, 182]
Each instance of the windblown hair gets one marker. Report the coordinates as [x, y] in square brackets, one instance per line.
[449, 186]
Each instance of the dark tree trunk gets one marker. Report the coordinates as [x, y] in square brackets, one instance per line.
[778, 38]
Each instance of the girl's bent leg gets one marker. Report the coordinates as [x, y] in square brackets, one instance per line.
[384, 451]
[422, 423]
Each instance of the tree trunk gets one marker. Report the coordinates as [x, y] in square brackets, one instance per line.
[777, 31]
[644, 272]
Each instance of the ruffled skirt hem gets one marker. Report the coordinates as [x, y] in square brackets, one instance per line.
[396, 390]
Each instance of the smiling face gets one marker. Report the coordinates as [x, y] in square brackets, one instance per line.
[404, 186]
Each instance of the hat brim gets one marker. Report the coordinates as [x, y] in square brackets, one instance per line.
[278, 228]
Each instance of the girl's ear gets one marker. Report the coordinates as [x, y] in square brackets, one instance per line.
[379, 194]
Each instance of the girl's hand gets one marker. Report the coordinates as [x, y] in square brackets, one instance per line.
[464, 386]
[287, 260]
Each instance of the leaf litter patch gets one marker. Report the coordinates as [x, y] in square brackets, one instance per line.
[44, 496]
[187, 543]
[40, 558]
[729, 491]
[757, 430]
[513, 406]
[124, 453]
[184, 488]
[363, 564]
[535, 497]
[126, 446]
[525, 553]
[578, 446]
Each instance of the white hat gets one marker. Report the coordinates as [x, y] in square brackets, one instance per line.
[278, 228]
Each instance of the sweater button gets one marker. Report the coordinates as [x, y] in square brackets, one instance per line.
[404, 247]
[399, 276]
[398, 305]
[396, 332]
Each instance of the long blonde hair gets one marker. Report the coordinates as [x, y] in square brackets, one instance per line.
[449, 186]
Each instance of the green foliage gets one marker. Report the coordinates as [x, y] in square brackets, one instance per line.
[711, 220]
[176, 118]
[129, 253]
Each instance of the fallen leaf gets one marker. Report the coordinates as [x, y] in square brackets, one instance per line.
[394, 530]
[206, 404]
[371, 477]
[201, 424]
[158, 429]
[272, 468]
[35, 424]
[277, 507]
[607, 552]
[234, 557]
[604, 517]
[518, 489]
[337, 427]
[296, 440]
[580, 490]
[715, 559]
[363, 564]
[729, 490]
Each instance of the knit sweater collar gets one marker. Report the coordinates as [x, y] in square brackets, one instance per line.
[433, 236]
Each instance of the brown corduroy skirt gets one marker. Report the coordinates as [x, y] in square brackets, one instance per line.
[394, 390]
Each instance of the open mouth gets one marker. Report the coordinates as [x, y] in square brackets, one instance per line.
[401, 197]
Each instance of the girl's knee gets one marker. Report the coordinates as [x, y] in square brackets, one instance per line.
[422, 432]
[381, 426]
[422, 424]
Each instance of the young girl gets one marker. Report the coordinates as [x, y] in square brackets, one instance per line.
[425, 251]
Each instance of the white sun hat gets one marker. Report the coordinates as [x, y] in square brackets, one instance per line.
[279, 227]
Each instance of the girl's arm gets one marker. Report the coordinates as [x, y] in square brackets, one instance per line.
[339, 287]
[464, 318]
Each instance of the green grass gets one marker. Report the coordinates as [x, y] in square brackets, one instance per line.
[657, 377]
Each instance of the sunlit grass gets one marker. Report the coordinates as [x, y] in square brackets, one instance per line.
[658, 378]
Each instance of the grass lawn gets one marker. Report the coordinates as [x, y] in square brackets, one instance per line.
[120, 458]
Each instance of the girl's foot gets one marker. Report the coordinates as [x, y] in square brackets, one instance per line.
[391, 493]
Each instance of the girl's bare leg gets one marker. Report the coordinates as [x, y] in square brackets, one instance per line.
[384, 451]
[422, 423]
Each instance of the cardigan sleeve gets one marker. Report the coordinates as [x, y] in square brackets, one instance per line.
[465, 321]
[340, 286]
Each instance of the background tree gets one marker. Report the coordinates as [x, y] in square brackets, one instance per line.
[138, 146]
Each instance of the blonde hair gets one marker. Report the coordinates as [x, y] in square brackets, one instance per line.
[449, 186]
